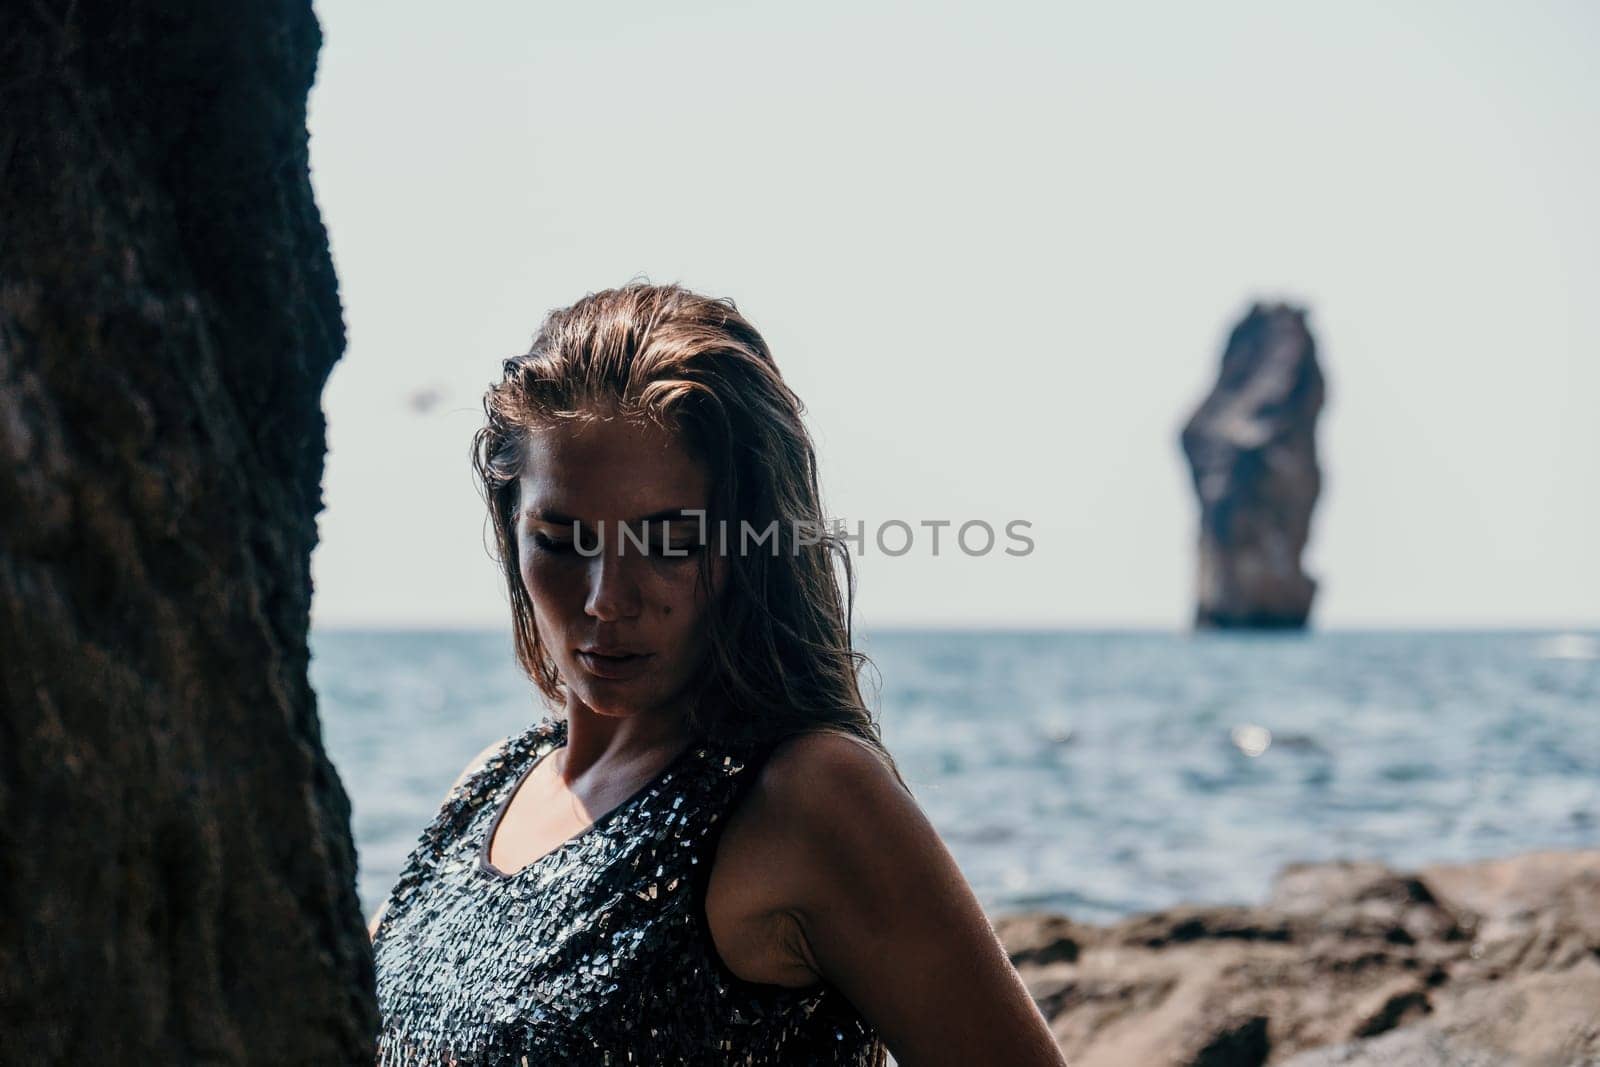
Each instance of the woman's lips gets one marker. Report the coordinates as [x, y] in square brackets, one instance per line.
[615, 668]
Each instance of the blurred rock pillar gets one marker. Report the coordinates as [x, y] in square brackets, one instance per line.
[1252, 450]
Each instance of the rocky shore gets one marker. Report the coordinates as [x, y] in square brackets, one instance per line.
[1489, 964]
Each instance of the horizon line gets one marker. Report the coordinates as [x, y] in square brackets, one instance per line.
[1109, 627]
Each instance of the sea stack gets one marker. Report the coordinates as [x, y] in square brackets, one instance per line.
[1252, 451]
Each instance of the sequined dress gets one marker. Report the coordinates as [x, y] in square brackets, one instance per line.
[597, 952]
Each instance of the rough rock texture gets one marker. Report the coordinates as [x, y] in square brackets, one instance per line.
[1347, 963]
[177, 877]
[1252, 451]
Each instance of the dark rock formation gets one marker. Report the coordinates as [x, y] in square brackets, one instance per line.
[1347, 963]
[1252, 451]
[177, 877]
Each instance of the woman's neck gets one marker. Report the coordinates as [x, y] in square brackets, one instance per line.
[620, 741]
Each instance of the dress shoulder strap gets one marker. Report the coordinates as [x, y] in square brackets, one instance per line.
[463, 803]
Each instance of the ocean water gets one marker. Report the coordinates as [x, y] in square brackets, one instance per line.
[1097, 774]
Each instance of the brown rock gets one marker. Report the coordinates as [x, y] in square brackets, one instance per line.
[1495, 962]
[176, 867]
[1235, 1042]
[1535, 912]
[1043, 938]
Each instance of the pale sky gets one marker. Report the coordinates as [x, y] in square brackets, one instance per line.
[996, 250]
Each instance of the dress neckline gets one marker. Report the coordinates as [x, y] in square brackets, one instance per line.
[560, 740]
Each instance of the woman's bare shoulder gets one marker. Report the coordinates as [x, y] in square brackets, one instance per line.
[876, 906]
[813, 789]
[778, 859]
[809, 766]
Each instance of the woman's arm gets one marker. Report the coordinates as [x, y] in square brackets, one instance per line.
[472, 765]
[884, 914]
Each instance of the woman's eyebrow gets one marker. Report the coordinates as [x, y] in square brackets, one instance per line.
[556, 518]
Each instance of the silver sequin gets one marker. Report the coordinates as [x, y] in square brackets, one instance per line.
[598, 952]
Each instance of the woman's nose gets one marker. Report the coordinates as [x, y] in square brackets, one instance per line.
[613, 586]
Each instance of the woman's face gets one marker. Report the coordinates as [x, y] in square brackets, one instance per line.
[645, 608]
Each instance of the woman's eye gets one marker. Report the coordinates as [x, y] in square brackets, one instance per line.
[550, 544]
[654, 546]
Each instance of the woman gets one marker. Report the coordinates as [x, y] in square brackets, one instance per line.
[708, 856]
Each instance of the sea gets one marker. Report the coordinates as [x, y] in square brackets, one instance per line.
[1094, 774]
